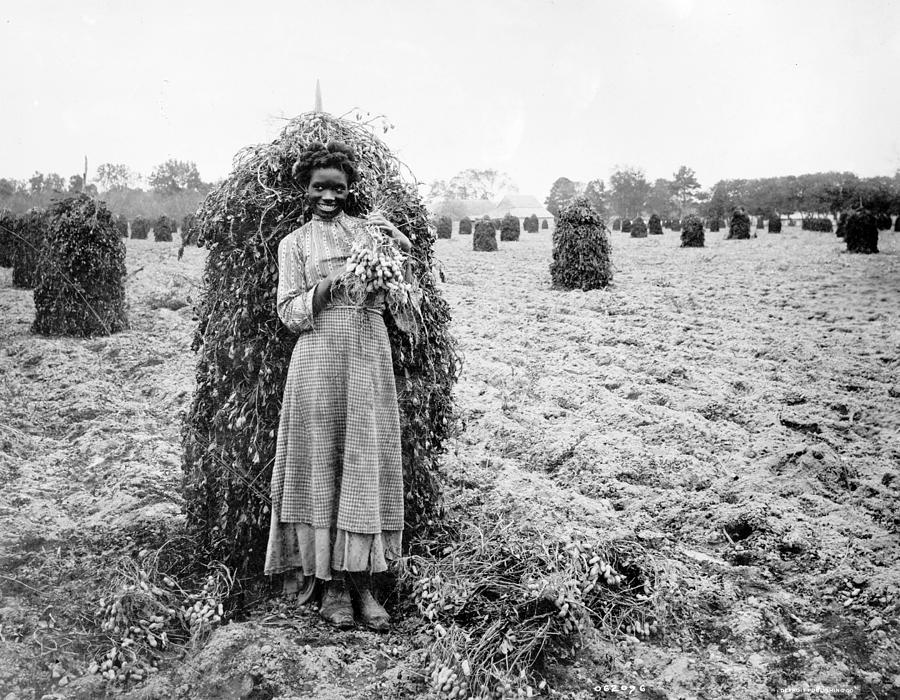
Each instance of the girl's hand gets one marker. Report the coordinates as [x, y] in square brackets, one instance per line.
[378, 219]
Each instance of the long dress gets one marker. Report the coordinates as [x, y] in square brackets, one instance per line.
[337, 481]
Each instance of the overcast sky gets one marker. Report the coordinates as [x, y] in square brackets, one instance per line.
[535, 88]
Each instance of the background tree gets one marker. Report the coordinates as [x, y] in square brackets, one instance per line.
[488, 184]
[175, 176]
[54, 183]
[660, 200]
[115, 176]
[562, 192]
[36, 183]
[684, 187]
[629, 189]
[595, 193]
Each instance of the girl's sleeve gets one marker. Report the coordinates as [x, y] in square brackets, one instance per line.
[295, 294]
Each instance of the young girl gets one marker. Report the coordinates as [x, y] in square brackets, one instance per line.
[337, 482]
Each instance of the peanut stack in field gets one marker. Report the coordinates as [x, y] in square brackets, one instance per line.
[739, 227]
[654, 226]
[7, 237]
[163, 229]
[582, 254]
[189, 233]
[692, 235]
[140, 228]
[638, 228]
[444, 227]
[861, 232]
[244, 350]
[484, 238]
[510, 228]
[465, 226]
[80, 284]
[775, 224]
[29, 235]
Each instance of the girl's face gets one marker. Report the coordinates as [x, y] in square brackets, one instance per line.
[327, 192]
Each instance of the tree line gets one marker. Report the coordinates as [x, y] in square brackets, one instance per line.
[631, 194]
[175, 189]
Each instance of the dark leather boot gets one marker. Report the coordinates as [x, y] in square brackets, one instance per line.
[337, 607]
[373, 615]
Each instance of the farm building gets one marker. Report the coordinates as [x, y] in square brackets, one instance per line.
[523, 206]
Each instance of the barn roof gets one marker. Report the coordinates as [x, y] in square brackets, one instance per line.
[520, 205]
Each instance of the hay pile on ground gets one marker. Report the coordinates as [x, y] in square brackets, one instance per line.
[29, 232]
[714, 224]
[582, 254]
[883, 221]
[739, 227]
[163, 229]
[465, 226]
[626, 225]
[692, 235]
[759, 222]
[544, 223]
[505, 595]
[638, 228]
[140, 228]
[531, 224]
[617, 224]
[485, 237]
[861, 232]
[510, 227]
[654, 226]
[444, 227]
[244, 350]
[80, 290]
[675, 224]
[775, 224]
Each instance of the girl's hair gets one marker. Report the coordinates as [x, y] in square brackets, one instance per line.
[334, 154]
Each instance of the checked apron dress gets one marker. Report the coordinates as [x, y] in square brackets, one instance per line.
[337, 482]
